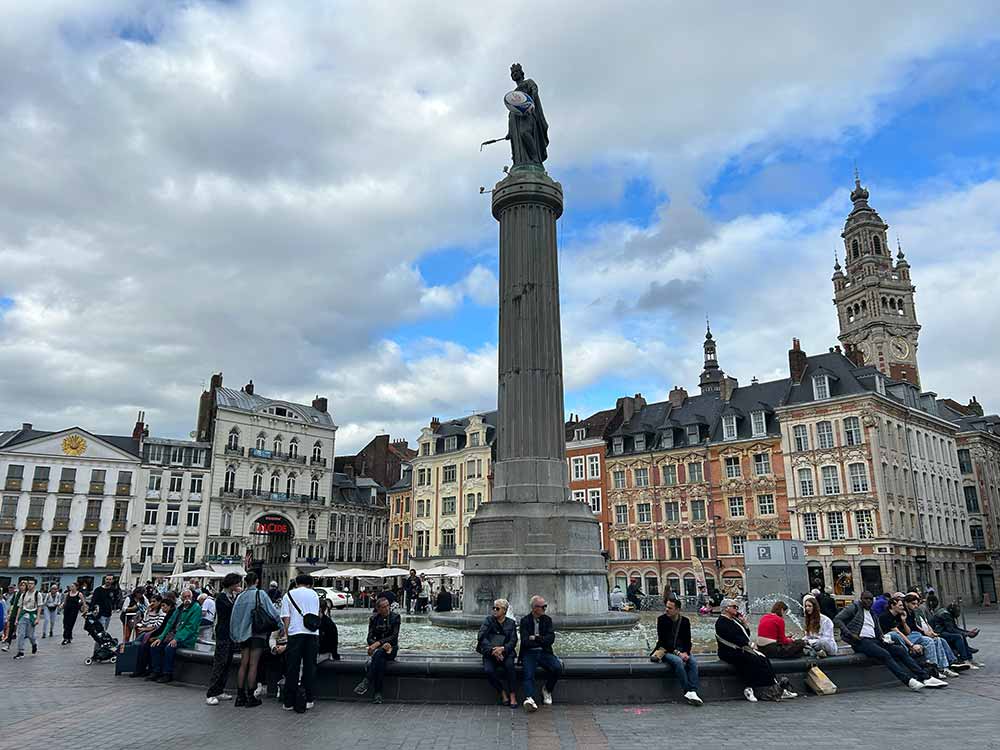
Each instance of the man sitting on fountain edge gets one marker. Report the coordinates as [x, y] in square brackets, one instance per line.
[673, 648]
[537, 636]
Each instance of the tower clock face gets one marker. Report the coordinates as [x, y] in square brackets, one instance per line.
[900, 348]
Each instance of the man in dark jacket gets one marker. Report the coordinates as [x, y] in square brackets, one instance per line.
[444, 601]
[383, 645]
[537, 636]
[497, 641]
[224, 645]
[411, 589]
[860, 628]
[633, 592]
[827, 605]
[103, 600]
[673, 648]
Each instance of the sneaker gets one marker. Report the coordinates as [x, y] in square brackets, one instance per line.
[5, 647]
[287, 708]
[958, 666]
[788, 694]
[34, 649]
[166, 679]
[212, 700]
[224, 697]
[546, 696]
[253, 701]
[530, 706]
[972, 665]
[934, 682]
[310, 704]
[949, 673]
[749, 694]
[64, 643]
[377, 698]
[19, 655]
[692, 697]
[362, 687]
[915, 685]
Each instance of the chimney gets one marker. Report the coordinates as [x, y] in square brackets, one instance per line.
[26, 426]
[435, 424]
[796, 362]
[974, 406]
[248, 388]
[320, 404]
[349, 470]
[855, 355]
[140, 428]
[727, 386]
[216, 381]
[677, 397]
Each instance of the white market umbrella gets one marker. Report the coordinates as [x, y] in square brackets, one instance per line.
[351, 573]
[201, 573]
[178, 571]
[125, 577]
[147, 569]
[441, 570]
[389, 572]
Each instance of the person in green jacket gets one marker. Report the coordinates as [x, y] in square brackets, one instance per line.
[179, 631]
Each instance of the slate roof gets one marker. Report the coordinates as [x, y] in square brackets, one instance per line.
[456, 427]
[348, 491]
[405, 481]
[122, 442]
[232, 398]
[595, 424]
[990, 423]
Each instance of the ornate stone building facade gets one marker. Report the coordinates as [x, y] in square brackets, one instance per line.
[401, 519]
[586, 449]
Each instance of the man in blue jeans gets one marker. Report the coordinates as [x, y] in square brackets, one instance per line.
[673, 648]
[537, 636]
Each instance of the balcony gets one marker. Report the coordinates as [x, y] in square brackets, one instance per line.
[280, 497]
[123, 490]
[231, 492]
[237, 451]
[29, 561]
[115, 563]
[4, 561]
[39, 485]
[33, 523]
[314, 461]
[60, 524]
[152, 494]
[56, 561]
[67, 488]
[446, 550]
[225, 532]
[12, 485]
[91, 524]
[118, 525]
[96, 488]
[7, 522]
[276, 456]
[86, 561]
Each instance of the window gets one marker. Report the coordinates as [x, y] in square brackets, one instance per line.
[652, 586]
[580, 496]
[167, 556]
[674, 549]
[978, 539]
[835, 522]
[36, 507]
[765, 505]
[594, 498]
[694, 472]
[470, 503]
[580, 433]
[758, 423]
[864, 524]
[640, 477]
[67, 480]
[93, 514]
[261, 442]
[579, 468]
[644, 512]
[858, 477]
[173, 515]
[149, 518]
[672, 512]
[196, 484]
[824, 434]
[229, 485]
[697, 510]
[971, 498]
[314, 488]
[806, 486]
[701, 547]
[810, 527]
[761, 464]
[176, 482]
[693, 434]
[831, 480]
[738, 542]
[640, 442]
[470, 468]
[448, 505]
[146, 552]
[193, 515]
[41, 480]
[737, 508]
[448, 539]
[622, 549]
[619, 479]
[474, 440]
[293, 448]
[57, 547]
[290, 485]
[646, 549]
[618, 445]
[176, 454]
[621, 514]
[594, 466]
[669, 472]
[425, 449]
[311, 526]
[451, 443]
[317, 452]
[729, 427]
[965, 460]
[448, 474]
[189, 552]
[801, 434]
[733, 467]
[852, 431]
[821, 387]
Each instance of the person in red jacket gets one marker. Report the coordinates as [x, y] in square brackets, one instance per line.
[771, 638]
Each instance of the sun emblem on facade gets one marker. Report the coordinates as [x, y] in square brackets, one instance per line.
[74, 445]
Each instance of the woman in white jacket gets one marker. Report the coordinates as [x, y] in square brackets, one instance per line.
[818, 628]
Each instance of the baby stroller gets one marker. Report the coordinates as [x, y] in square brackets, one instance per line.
[105, 646]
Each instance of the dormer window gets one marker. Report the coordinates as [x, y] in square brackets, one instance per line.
[580, 433]
[425, 449]
[821, 387]
[618, 446]
[758, 423]
[451, 443]
[640, 442]
[667, 441]
[729, 427]
[693, 434]
[474, 440]
[880, 385]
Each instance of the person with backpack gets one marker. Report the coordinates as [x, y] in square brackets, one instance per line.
[10, 626]
[300, 614]
[29, 611]
[253, 620]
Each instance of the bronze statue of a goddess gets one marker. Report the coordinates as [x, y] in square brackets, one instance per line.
[528, 132]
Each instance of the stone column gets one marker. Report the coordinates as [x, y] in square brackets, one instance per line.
[530, 538]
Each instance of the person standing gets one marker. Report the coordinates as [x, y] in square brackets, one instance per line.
[274, 593]
[300, 614]
[10, 626]
[53, 600]
[537, 636]
[103, 600]
[424, 595]
[827, 604]
[72, 605]
[383, 645]
[207, 602]
[673, 648]
[496, 642]
[411, 589]
[633, 592]
[224, 646]
[252, 633]
[29, 611]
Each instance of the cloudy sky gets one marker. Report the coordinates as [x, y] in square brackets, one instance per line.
[289, 192]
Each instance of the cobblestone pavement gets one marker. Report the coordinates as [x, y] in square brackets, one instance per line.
[54, 700]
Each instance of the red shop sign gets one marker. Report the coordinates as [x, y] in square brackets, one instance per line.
[271, 525]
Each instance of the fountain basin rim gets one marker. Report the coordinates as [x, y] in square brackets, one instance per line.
[603, 621]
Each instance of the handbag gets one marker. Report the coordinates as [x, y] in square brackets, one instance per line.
[262, 621]
[310, 620]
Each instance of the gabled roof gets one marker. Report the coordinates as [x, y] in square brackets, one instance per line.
[230, 398]
[122, 442]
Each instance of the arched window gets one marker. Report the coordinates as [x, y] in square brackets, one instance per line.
[226, 524]
[230, 483]
[258, 481]
[864, 307]
[261, 441]
[312, 525]
[885, 303]
[317, 451]
[855, 249]
[234, 548]
[278, 444]
[224, 548]
[213, 548]
[899, 307]
[892, 303]
[314, 488]
[290, 484]
[234, 439]
[276, 482]
[293, 447]
[877, 244]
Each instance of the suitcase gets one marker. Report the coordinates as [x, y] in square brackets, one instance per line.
[126, 661]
